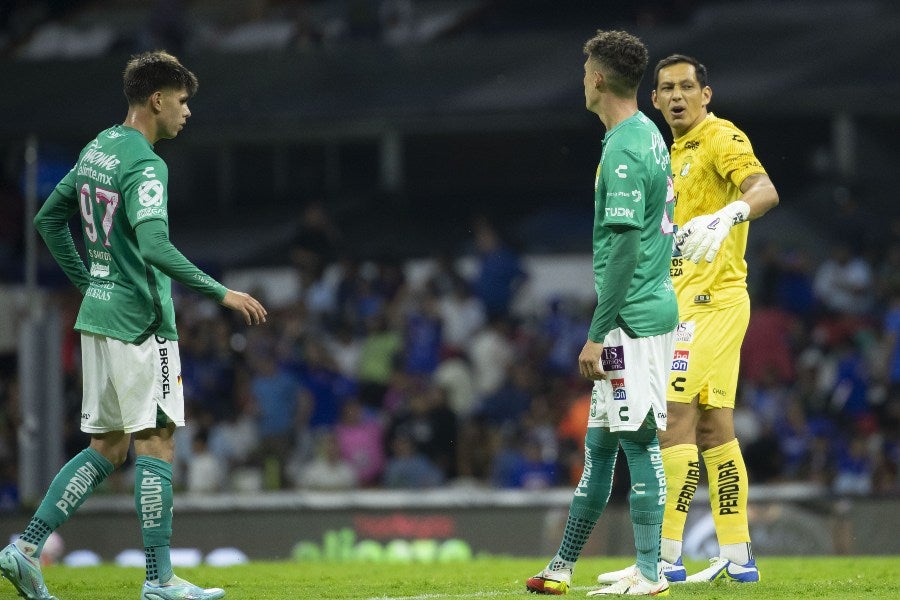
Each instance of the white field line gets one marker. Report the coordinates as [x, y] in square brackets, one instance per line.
[488, 594]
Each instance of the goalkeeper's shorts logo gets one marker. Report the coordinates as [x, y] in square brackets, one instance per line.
[680, 360]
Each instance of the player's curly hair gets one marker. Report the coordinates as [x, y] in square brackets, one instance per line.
[152, 71]
[623, 56]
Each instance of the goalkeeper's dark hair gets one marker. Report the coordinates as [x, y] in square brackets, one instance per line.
[623, 58]
[674, 59]
[153, 71]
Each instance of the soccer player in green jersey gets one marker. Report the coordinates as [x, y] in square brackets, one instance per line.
[131, 365]
[629, 347]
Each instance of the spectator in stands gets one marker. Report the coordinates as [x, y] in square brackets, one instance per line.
[843, 284]
[205, 471]
[500, 272]
[422, 334]
[381, 347]
[359, 435]
[408, 467]
[328, 470]
[462, 313]
[282, 407]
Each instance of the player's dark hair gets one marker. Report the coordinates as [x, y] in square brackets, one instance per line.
[674, 59]
[153, 71]
[623, 57]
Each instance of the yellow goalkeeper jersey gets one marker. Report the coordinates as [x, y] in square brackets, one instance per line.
[709, 163]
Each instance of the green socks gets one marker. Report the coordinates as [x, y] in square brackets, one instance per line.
[153, 501]
[590, 496]
[67, 492]
[647, 501]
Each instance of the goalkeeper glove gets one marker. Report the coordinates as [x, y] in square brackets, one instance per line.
[703, 235]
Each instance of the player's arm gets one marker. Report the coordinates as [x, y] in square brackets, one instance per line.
[760, 195]
[620, 266]
[52, 223]
[702, 236]
[158, 250]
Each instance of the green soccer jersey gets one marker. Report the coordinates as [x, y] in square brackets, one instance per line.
[119, 185]
[633, 189]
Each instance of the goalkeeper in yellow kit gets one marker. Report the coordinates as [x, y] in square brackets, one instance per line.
[720, 185]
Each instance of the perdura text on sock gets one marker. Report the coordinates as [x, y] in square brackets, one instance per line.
[686, 494]
[84, 480]
[151, 500]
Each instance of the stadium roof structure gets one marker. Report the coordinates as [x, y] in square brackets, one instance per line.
[778, 58]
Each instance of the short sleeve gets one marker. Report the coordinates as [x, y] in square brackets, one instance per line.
[735, 160]
[626, 181]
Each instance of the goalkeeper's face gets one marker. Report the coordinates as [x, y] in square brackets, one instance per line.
[680, 97]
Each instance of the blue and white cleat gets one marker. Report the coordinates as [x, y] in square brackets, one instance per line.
[673, 572]
[722, 569]
[24, 573]
[179, 589]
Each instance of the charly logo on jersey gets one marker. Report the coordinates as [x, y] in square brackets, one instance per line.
[613, 358]
[618, 389]
[150, 193]
[620, 171]
[684, 333]
[680, 360]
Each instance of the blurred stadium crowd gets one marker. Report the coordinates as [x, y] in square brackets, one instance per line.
[368, 379]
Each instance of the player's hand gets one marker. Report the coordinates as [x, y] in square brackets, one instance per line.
[589, 361]
[702, 236]
[254, 312]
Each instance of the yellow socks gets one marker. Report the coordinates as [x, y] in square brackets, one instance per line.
[728, 492]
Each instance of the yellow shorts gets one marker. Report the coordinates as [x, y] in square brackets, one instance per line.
[708, 355]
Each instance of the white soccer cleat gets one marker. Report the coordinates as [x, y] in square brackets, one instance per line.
[179, 589]
[722, 569]
[674, 572]
[635, 584]
[24, 572]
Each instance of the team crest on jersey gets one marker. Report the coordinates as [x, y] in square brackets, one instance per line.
[613, 358]
[680, 360]
[684, 333]
[685, 169]
[150, 193]
[618, 389]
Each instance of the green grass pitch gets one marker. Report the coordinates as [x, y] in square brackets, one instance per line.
[819, 578]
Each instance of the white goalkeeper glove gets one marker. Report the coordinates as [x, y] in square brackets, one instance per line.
[703, 236]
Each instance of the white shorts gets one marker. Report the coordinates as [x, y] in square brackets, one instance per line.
[130, 387]
[637, 374]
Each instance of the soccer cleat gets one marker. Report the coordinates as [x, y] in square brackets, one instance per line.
[722, 569]
[24, 573]
[550, 582]
[179, 589]
[635, 584]
[673, 572]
